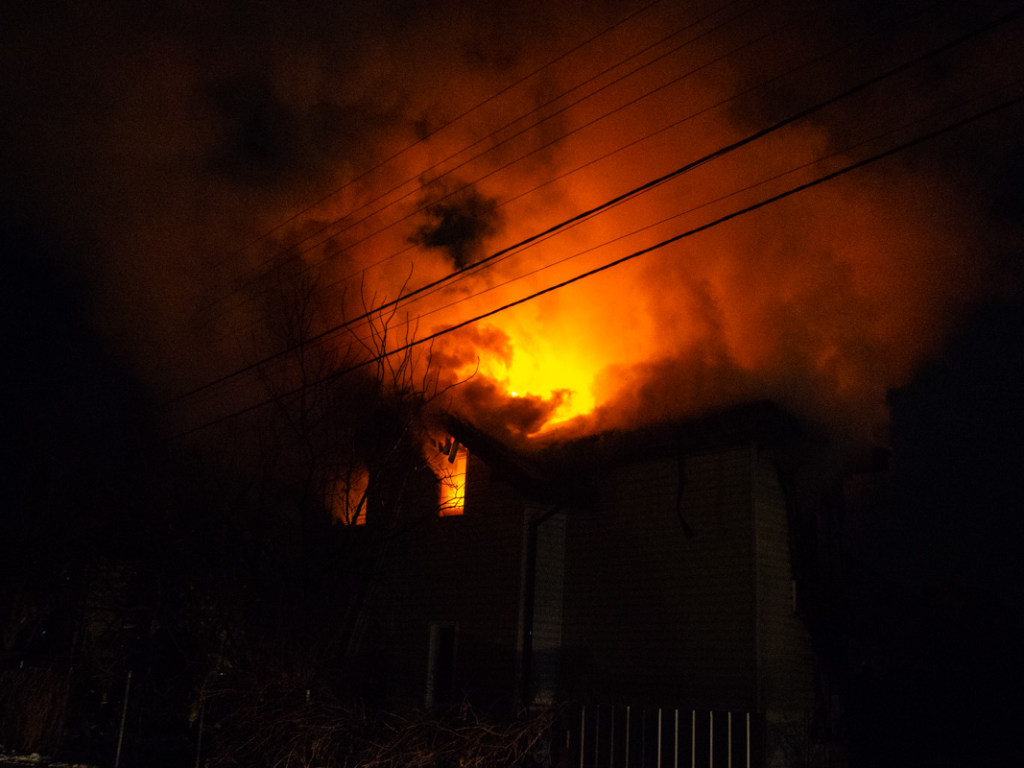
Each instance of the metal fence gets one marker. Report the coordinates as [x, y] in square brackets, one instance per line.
[641, 737]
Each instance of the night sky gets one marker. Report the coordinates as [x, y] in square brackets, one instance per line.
[167, 168]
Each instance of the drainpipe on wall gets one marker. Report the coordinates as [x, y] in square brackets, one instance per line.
[527, 596]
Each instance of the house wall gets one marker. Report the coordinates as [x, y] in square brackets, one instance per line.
[672, 588]
[545, 593]
[785, 683]
[462, 570]
[653, 615]
[784, 648]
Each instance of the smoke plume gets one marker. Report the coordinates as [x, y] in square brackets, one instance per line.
[187, 152]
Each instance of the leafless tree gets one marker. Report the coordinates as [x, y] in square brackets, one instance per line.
[342, 474]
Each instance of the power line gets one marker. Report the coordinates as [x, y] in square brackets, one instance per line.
[799, 115]
[364, 270]
[546, 118]
[680, 214]
[816, 60]
[492, 97]
[616, 262]
[252, 278]
[538, 269]
[505, 166]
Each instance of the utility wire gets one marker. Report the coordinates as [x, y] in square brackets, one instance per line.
[754, 185]
[414, 321]
[351, 224]
[799, 115]
[468, 272]
[533, 125]
[616, 262]
[395, 254]
[494, 96]
[505, 166]
[816, 60]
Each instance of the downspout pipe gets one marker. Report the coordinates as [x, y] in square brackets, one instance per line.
[527, 597]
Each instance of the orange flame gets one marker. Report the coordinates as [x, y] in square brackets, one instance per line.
[451, 475]
[822, 302]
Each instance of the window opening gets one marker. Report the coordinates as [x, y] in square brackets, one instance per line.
[452, 480]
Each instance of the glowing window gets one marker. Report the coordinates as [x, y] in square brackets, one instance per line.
[452, 480]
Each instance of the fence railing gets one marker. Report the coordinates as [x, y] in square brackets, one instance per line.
[605, 736]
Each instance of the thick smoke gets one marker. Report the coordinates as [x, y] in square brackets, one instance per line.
[181, 153]
[459, 224]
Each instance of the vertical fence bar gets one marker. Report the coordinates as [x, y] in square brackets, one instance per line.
[625, 737]
[728, 730]
[693, 738]
[659, 738]
[748, 740]
[583, 732]
[711, 739]
[675, 745]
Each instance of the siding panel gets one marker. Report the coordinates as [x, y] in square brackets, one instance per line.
[463, 570]
[654, 615]
[784, 649]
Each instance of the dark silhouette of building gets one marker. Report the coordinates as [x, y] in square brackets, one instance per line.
[650, 569]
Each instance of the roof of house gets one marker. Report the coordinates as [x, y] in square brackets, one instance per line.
[566, 471]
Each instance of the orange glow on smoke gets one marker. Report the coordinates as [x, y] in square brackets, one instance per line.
[821, 302]
[542, 367]
[328, 162]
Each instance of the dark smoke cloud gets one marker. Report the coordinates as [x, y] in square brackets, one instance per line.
[508, 418]
[459, 223]
[464, 346]
[163, 137]
[158, 140]
[262, 140]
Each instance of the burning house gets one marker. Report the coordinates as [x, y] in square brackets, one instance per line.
[258, 242]
[648, 569]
